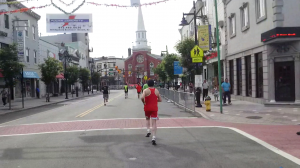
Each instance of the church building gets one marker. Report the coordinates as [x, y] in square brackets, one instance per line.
[141, 62]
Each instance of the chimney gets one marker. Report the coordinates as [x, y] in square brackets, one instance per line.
[129, 52]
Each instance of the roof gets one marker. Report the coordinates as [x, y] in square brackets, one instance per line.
[29, 12]
[158, 57]
[141, 25]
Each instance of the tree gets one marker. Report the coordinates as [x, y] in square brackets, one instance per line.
[49, 70]
[84, 76]
[96, 79]
[10, 66]
[159, 70]
[73, 75]
[169, 65]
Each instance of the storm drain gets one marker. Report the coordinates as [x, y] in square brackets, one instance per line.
[254, 117]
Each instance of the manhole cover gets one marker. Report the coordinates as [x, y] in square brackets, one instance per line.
[254, 117]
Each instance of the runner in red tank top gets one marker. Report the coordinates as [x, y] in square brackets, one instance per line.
[150, 99]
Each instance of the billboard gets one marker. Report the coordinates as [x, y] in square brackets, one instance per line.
[177, 68]
[135, 2]
[77, 23]
[204, 37]
[21, 45]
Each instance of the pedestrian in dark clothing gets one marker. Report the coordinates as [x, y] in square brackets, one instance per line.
[4, 96]
[37, 92]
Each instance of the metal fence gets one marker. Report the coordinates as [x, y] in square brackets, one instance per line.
[116, 87]
[183, 99]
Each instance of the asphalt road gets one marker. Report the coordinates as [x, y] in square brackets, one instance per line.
[127, 148]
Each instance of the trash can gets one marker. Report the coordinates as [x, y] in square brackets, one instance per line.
[208, 103]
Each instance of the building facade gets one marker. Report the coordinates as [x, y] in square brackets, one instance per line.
[262, 50]
[28, 23]
[141, 62]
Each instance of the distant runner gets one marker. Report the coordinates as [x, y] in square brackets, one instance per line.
[138, 89]
[126, 91]
[105, 94]
[150, 98]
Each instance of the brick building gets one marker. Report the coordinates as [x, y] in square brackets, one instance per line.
[141, 62]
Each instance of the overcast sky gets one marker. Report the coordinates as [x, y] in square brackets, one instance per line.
[114, 28]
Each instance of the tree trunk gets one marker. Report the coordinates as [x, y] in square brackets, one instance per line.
[9, 97]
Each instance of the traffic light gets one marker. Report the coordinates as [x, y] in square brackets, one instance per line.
[129, 72]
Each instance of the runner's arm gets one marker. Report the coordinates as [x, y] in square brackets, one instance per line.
[159, 99]
[143, 96]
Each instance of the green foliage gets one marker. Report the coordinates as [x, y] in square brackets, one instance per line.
[9, 64]
[49, 70]
[159, 70]
[84, 76]
[96, 78]
[169, 65]
[73, 74]
[184, 48]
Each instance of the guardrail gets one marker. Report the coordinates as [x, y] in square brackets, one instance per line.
[183, 99]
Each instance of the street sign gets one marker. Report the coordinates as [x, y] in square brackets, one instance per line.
[21, 45]
[197, 60]
[145, 77]
[177, 68]
[197, 52]
[198, 81]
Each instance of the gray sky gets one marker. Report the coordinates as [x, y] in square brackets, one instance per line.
[114, 28]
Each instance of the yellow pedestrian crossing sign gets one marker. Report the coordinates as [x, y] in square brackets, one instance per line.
[196, 52]
[197, 60]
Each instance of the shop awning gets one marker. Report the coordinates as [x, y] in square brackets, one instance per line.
[60, 76]
[30, 74]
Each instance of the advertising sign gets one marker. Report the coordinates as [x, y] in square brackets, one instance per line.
[77, 23]
[21, 45]
[135, 2]
[198, 81]
[177, 68]
[204, 37]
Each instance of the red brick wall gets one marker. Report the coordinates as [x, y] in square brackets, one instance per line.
[133, 61]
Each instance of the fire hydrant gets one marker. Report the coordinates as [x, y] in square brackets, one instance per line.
[207, 103]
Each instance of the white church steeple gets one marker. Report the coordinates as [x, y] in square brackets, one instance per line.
[141, 33]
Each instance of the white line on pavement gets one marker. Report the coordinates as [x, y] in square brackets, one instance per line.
[263, 143]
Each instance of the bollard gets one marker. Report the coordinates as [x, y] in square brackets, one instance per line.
[208, 103]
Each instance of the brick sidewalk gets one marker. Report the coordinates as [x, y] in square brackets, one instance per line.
[251, 113]
[34, 103]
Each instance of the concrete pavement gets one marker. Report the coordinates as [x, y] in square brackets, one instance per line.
[84, 133]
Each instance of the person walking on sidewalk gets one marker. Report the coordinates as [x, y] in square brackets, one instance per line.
[216, 93]
[205, 89]
[150, 98]
[4, 96]
[226, 91]
[37, 92]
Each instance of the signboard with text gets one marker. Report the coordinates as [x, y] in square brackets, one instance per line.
[21, 45]
[198, 81]
[204, 37]
[177, 68]
[77, 23]
[197, 54]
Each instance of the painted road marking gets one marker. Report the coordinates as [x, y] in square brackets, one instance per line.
[95, 108]
[263, 143]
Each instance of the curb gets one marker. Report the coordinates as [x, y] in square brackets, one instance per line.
[49, 104]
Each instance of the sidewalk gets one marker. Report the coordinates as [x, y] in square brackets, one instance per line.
[35, 103]
[251, 113]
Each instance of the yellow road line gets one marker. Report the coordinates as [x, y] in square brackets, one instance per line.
[95, 108]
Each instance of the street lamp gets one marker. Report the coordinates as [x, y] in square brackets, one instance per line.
[185, 23]
[65, 54]
[92, 66]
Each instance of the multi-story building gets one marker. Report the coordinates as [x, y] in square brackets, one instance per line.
[262, 49]
[141, 62]
[205, 12]
[28, 23]
[106, 67]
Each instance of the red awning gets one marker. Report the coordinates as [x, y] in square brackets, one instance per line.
[60, 76]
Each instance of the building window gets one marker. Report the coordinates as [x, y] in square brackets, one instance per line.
[232, 25]
[151, 69]
[231, 76]
[26, 29]
[260, 10]
[34, 56]
[139, 35]
[33, 32]
[245, 16]
[27, 55]
[142, 35]
[248, 76]
[6, 20]
[259, 75]
[239, 76]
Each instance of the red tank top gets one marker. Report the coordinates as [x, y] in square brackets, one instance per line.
[151, 101]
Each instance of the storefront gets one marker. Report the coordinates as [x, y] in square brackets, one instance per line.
[31, 82]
